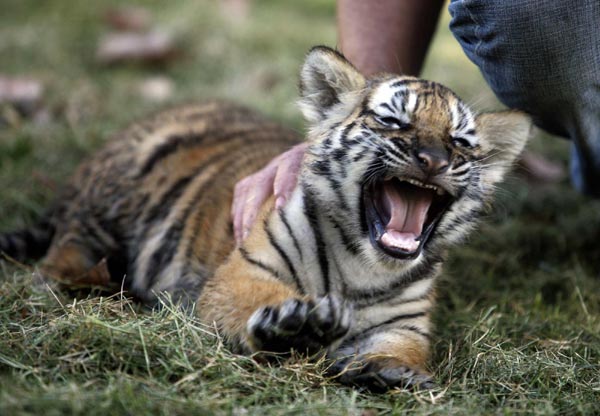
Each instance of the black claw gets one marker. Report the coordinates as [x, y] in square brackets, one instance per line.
[369, 376]
[292, 316]
[304, 326]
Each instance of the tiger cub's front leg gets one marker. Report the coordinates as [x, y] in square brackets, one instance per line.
[378, 361]
[257, 312]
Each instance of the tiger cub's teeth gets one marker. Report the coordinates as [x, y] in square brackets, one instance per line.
[438, 190]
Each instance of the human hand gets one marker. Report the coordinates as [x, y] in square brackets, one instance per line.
[278, 178]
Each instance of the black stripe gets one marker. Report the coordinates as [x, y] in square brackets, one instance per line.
[418, 98]
[369, 331]
[311, 215]
[346, 131]
[259, 264]
[167, 147]
[403, 317]
[290, 231]
[284, 256]
[348, 244]
[399, 95]
[165, 253]
[337, 189]
[463, 218]
[415, 330]
[320, 167]
[462, 117]
[398, 100]
[458, 162]
[95, 250]
[222, 114]
[408, 82]
[161, 209]
[364, 228]
[420, 272]
[365, 112]
[29, 243]
[227, 172]
[341, 279]
[462, 123]
[425, 296]
[172, 143]
[360, 155]
[339, 154]
[442, 97]
[94, 242]
[398, 149]
[387, 107]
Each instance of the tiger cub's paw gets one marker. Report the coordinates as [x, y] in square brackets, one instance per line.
[372, 376]
[305, 326]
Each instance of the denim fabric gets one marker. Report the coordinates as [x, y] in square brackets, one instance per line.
[542, 57]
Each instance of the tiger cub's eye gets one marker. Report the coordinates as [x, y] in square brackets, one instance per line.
[392, 122]
[461, 142]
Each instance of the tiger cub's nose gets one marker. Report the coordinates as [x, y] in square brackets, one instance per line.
[432, 161]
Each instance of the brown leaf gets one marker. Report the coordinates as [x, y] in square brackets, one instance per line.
[236, 10]
[97, 276]
[128, 18]
[151, 47]
[24, 94]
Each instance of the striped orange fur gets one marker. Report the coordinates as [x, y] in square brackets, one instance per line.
[398, 169]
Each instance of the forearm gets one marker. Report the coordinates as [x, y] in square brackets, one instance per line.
[387, 35]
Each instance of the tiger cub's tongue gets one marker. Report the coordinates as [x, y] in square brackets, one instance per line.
[407, 208]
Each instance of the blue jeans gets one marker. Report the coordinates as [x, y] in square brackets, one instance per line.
[542, 57]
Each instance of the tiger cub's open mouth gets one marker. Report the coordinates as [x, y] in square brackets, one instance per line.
[401, 214]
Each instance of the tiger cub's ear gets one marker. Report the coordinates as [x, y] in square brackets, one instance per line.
[324, 78]
[503, 137]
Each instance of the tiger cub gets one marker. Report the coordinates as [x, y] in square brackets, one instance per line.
[397, 170]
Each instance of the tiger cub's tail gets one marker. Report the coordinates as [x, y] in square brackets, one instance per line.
[28, 243]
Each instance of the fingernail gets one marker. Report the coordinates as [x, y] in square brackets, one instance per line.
[279, 202]
[245, 234]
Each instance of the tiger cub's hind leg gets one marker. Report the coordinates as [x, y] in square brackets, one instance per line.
[72, 265]
[74, 260]
[379, 361]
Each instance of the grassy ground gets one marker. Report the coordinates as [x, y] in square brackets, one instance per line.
[519, 319]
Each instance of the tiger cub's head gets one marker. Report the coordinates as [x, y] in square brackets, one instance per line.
[400, 164]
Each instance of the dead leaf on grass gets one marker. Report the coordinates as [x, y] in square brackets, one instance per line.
[156, 89]
[155, 46]
[128, 18]
[236, 10]
[22, 93]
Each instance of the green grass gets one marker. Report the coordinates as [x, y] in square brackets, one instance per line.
[518, 325]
